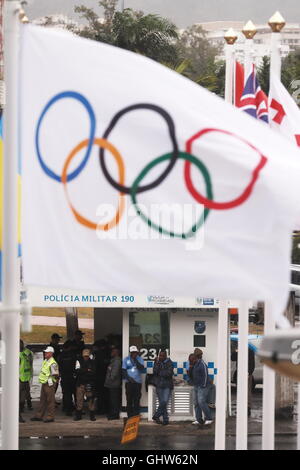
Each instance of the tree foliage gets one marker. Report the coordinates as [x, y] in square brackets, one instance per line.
[149, 35]
[263, 74]
[194, 46]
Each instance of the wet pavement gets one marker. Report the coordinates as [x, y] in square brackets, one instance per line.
[177, 442]
[67, 434]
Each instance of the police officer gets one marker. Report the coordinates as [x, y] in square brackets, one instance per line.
[54, 343]
[25, 374]
[66, 362]
[85, 372]
[48, 377]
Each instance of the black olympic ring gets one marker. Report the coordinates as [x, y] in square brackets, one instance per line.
[175, 152]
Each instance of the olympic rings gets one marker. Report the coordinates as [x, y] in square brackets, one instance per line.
[174, 155]
[135, 189]
[188, 158]
[88, 107]
[82, 220]
[221, 205]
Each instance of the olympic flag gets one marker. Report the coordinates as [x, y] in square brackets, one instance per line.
[114, 146]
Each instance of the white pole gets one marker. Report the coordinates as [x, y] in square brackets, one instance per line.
[230, 38]
[229, 370]
[221, 397]
[248, 58]
[298, 417]
[11, 316]
[242, 378]
[275, 59]
[229, 73]
[268, 425]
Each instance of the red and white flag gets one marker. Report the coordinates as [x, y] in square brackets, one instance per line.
[284, 114]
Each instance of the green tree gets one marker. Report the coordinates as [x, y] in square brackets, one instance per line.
[263, 74]
[149, 35]
[194, 46]
[291, 69]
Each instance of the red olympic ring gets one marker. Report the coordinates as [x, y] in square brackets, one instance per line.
[214, 204]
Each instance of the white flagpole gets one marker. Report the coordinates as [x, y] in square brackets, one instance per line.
[230, 38]
[221, 397]
[10, 292]
[268, 425]
[242, 378]
[276, 23]
[249, 31]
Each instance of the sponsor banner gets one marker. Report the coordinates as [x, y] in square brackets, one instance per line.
[44, 297]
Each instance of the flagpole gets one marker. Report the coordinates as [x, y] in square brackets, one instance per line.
[276, 23]
[221, 396]
[242, 378]
[230, 38]
[10, 287]
[249, 31]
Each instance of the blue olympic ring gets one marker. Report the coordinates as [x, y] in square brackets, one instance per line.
[88, 107]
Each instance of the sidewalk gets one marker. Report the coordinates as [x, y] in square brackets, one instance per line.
[66, 427]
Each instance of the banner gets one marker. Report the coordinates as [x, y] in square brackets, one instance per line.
[138, 181]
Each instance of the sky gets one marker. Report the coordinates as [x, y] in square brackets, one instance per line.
[183, 12]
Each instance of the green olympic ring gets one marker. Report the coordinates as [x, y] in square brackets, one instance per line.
[209, 193]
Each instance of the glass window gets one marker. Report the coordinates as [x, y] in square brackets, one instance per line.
[149, 331]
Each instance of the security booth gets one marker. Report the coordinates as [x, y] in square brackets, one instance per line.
[179, 331]
[152, 323]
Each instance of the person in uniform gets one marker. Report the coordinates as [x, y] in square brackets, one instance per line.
[78, 342]
[48, 377]
[85, 372]
[66, 362]
[113, 382]
[132, 368]
[54, 343]
[25, 376]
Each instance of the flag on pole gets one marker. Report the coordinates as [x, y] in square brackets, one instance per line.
[254, 101]
[138, 181]
[284, 113]
[239, 82]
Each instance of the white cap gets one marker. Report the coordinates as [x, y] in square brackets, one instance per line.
[133, 349]
[49, 349]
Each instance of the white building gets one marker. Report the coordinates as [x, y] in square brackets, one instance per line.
[262, 40]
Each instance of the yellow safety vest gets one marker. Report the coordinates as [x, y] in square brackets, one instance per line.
[25, 365]
[45, 373]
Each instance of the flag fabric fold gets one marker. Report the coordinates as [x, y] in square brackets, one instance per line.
[114, 146]
[284, 112]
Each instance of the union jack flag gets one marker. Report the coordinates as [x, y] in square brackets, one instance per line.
[253, 100]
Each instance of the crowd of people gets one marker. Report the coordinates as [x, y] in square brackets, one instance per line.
[94, 375]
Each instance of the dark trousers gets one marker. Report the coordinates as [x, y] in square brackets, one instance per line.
[114, 402]
[133, 396]
[24, 395]
[68, 389]
[102, 394]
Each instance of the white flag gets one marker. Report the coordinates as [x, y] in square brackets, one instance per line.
[118, 155]
[284, 114]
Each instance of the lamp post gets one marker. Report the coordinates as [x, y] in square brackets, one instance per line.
[122, 5]
[230, 38]
[249, 31]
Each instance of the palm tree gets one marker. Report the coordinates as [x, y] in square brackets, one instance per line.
[149, 35]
